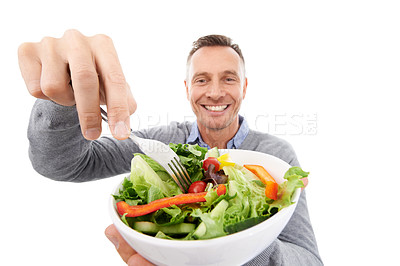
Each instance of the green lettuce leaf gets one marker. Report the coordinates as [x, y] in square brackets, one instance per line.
[128, 194]
[170, 216]
[212, 221]
[147, 184]
[191, 157]
[160, 171]
[286, 189]
[250, 200]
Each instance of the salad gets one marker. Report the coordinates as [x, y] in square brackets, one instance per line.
[223, 199]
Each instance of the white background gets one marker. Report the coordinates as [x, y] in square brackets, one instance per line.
[322, 75]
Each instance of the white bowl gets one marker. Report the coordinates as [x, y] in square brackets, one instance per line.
[235, 249]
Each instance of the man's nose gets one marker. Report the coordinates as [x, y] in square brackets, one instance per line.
[215, 91]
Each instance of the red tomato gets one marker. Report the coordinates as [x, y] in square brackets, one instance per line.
[198, 186]
[211, 160]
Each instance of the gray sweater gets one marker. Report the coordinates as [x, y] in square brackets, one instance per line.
[58, 151]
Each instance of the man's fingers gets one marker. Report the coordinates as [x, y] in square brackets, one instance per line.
[137, 260]
[55, 80]
[115, 86]
[85, 83]
[123, 248]
[128, 254]
[31, 69]
[92, 66]
[131, 100]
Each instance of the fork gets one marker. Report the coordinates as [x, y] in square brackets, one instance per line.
[162, 154]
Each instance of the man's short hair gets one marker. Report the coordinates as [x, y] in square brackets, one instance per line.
[214, 40]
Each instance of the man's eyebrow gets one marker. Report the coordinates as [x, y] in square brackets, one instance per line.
[207, 74]
[200, 74]
[232, 72]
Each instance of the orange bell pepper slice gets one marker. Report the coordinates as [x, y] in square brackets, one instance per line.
[271, 190]
[271, 187]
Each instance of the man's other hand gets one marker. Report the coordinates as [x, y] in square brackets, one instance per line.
[128, 254]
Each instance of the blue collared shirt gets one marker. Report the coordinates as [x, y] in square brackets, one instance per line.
[234, 143]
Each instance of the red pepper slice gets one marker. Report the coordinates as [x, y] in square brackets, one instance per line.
[139, 210]
[221, 189]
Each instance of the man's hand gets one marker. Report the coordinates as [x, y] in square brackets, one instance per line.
[305, 182]
[80, 70]
[129, 255]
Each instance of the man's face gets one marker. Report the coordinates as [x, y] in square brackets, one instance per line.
[215, 86]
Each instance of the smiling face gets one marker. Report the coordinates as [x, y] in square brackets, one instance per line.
[215, 87]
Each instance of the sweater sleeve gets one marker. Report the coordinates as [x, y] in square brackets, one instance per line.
[58, 150]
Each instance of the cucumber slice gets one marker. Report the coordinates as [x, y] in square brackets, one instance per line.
[152, 228]
[214, 152]
[240, 226]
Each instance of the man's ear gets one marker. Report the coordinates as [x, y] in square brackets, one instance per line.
[244, 87]
[187, 89]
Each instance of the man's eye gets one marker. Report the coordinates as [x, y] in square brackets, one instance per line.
[200, 80]
[230, 79]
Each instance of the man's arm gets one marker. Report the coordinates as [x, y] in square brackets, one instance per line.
[59, 151]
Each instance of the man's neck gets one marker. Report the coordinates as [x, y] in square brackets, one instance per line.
[219, 137]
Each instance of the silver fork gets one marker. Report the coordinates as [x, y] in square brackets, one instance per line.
[162, 154]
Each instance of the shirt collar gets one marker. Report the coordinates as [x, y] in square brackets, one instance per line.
[234, 143]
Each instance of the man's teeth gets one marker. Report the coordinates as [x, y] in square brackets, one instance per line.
[216, 108]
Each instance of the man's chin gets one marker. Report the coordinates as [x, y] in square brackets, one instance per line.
[216, 125]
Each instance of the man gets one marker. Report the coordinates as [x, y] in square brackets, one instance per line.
[78, 73]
